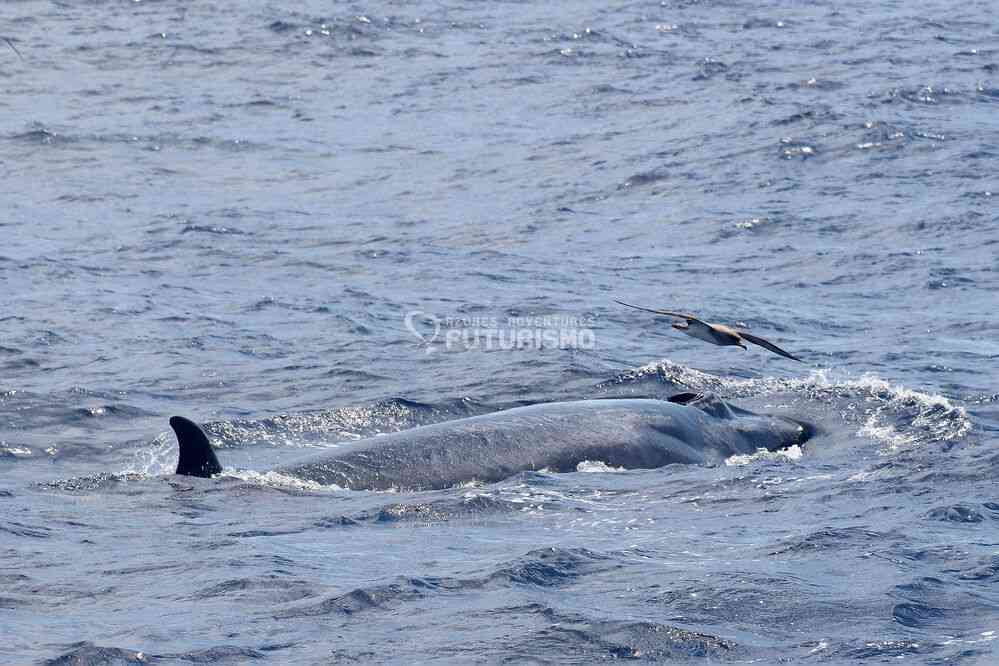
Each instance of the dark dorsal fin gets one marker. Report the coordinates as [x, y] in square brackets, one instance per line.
[196, 455]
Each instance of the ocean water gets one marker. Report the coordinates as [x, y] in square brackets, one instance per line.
[306, 223]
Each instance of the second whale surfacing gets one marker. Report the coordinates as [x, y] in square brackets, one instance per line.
[627, 433]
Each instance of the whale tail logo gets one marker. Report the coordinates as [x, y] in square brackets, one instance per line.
[414, 316]
[196, 455]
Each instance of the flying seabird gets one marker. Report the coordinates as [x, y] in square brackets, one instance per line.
[716, 334]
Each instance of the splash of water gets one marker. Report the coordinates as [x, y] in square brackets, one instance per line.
[892, 415]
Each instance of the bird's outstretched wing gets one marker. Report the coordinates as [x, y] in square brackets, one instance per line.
[13, 48]
[668, 313]
[767, 345]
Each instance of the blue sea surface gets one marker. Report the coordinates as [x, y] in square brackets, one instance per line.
[307, 223]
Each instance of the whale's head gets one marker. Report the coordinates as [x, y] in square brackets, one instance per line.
[782, 431]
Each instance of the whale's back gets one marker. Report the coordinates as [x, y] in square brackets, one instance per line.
[628, 433]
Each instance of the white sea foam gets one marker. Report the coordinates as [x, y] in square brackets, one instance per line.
[158, 459]
[790, 453]
[892, 415]
[597, 467]
[281, 480]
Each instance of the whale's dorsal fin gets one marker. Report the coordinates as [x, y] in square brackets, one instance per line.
[196, 455]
